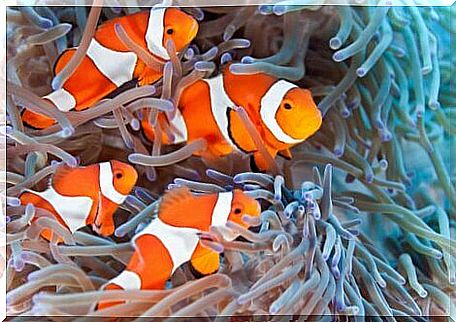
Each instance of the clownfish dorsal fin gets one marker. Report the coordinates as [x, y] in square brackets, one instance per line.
[172, 198]
[60, 175]
[286, 154]
[86, 179]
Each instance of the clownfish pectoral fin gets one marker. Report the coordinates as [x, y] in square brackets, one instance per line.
[259, 163]
[286, 154]
[238, 132]
[204, 261]
[103, 222]
[148, 76]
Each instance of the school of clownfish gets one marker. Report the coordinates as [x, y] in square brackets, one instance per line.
[282, 113]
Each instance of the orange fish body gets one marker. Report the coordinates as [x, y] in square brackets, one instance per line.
[283, 114]
[85, 195]
[108, 63]
[172, 239]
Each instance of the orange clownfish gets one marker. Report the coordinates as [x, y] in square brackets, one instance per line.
[83, 196]
[172, 238]
[108, 63]
[283, 114]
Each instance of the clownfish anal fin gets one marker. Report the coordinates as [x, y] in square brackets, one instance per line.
[286, 154]
[204, 261]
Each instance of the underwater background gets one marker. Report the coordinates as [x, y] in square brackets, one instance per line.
[360, 222]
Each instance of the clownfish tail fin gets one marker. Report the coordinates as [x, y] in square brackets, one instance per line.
[39, 121]
[63, 59]
[35, 120]
[104, 305]
[125, 280]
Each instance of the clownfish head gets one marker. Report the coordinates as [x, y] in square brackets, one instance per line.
[289, 113]
[169, 24]
[124, 176]
[180, 27]
[298, 114]
[117, 179]
[241, 205]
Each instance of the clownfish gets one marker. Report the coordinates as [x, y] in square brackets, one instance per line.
[109, 64]
[172, 238]
[83, 196]
[283, 114]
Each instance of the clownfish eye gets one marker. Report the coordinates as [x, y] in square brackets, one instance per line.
[170, 31]
[287, 106]
[237, 211]
[119, 175]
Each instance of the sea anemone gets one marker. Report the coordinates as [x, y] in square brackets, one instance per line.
[360, 222]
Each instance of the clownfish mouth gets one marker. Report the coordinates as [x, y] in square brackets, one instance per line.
[314, 123]
[309, 127]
